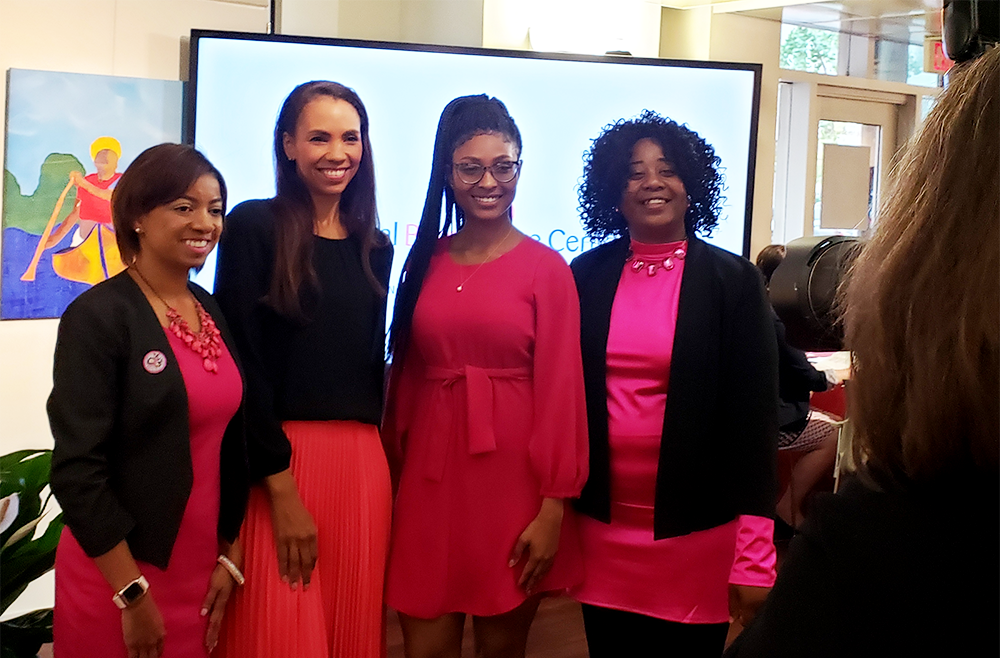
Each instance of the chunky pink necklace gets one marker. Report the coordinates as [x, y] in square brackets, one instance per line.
[207, 343]
[653, 265]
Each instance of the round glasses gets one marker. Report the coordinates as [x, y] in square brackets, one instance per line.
[471, 173]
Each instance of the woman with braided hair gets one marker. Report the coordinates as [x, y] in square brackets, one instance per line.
[485, 421]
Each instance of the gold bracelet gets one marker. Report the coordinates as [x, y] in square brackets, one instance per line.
[233, 570]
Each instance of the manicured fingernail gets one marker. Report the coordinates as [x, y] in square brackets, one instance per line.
[284, 579]
[294, 585]
[204, 611]
[512, 562]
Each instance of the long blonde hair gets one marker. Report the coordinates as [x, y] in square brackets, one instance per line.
[923, 299]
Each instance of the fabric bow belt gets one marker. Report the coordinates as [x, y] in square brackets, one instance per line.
[480, 435]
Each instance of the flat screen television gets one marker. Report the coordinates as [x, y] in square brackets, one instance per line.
[560, 102]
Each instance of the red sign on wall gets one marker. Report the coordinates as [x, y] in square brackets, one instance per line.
[941, 61]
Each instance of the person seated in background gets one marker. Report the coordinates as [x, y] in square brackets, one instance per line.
[800, 427]
[905, 559]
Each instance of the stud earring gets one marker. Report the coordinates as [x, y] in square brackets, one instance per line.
[138, 229]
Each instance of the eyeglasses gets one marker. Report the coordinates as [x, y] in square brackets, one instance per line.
[471, 173]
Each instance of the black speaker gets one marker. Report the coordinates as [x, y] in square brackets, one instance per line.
[803, 290]
[969, 27]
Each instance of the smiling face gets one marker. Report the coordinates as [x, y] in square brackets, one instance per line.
[179, 235]
[487, 200]
[106, 162]
[326, 145]
[654, 200]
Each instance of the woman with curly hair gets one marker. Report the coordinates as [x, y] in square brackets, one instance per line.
[676, 514]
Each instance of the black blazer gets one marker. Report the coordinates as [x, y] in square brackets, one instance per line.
[121, 467]
[718, 452]
[797, 378]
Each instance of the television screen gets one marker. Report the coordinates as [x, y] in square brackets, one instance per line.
[560, 103]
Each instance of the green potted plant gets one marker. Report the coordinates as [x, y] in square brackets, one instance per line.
[24, 479]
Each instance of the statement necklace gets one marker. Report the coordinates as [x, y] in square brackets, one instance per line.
[653, 265]
[207, 343]
[489, 256]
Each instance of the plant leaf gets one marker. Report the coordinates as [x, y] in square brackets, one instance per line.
[22, 532]
[27, 562]
[25, 635]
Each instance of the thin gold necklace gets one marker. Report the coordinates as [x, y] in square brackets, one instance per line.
[489, 256]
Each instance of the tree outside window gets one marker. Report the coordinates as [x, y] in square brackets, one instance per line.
[809, 49]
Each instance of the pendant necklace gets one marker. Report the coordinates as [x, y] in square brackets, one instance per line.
[488, 257]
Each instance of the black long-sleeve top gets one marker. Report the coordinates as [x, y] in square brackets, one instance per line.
[797, 378]
[888, 572]
[327, 368]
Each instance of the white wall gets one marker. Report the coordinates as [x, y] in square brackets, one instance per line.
[700, 34]
[140, 38]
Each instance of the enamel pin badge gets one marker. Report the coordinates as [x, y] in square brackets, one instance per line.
[154, 362]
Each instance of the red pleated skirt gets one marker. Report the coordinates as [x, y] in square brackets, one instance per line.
[343, 479]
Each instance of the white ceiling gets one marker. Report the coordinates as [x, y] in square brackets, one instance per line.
[876, 18]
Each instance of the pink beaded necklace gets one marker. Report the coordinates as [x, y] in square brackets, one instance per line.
[653, 265]
[207, 343]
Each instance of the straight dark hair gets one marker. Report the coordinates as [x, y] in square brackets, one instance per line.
[294, 276]
[462, 119]
[161, 174]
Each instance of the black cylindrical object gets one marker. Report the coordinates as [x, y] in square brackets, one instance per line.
[803, 290]
[970, 26]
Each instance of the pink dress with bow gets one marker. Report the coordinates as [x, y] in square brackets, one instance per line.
[487, 414]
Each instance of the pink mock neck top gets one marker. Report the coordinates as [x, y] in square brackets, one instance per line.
[683, 579]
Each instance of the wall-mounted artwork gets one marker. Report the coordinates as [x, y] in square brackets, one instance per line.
[69, 137]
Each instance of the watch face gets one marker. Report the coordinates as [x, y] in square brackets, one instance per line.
[132, 592]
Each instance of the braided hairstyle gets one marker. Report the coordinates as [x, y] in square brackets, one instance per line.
[462, 119]
[606, 169]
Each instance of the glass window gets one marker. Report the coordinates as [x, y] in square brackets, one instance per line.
[809, 49]
[844, 133]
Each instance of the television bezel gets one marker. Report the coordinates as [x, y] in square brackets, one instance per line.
[191, 92]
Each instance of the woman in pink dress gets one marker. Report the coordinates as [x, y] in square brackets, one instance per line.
[486, 419]
[149, 463]
[680, 362]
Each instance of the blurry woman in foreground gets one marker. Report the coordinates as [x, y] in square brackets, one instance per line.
[905, 560]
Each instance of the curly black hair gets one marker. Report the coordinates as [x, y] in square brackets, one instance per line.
[606, 169]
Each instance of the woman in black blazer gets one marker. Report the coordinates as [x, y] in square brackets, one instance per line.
[149, 463]
[679, 483]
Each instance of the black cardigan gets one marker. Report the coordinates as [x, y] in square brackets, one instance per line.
[121, 467]
[718, 452]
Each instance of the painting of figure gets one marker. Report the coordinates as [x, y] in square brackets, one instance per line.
[69, 137]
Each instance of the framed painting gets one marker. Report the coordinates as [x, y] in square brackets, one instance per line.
[69, 137]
